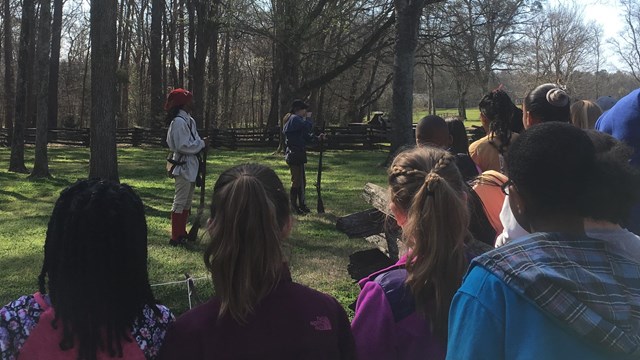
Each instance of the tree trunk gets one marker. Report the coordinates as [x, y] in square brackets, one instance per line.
[226, 79]
[16, 163]
[203, 38]
[155, 63]
[9, 78]
[211, 121]
[181, 44]
[41, 163]
[54, 67]
[407, 23]
[103, 162]
[461, 88]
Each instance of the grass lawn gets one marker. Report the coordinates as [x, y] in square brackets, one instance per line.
[473, 115]
[318, 253]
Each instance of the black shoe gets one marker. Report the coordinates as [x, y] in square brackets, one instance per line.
[299, 211]
[305, 209]
[182, 241]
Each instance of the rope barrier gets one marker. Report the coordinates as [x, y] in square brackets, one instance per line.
[190, 285]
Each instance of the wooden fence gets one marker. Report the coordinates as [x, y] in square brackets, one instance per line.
[354, 136]
[351, 137]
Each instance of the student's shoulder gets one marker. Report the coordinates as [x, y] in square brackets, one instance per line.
[202, 316]
[478, 144]
[311, 297]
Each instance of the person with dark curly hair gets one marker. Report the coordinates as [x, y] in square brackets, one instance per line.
[94, 299]
[556, 293]
[496, 112]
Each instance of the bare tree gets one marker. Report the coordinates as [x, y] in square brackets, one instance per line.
[628, 44]
[54, 69]
[563, 44]
[27, 27]
[41, 163]
[155, 61]
[9, 78]
[103, 162]
[407, 25]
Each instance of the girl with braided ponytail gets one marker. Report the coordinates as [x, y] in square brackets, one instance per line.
[402, 311]
[496, 112]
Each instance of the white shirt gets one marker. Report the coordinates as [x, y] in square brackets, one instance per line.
[184, 141]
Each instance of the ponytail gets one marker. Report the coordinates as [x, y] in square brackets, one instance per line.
[432, 194]
[246, 260]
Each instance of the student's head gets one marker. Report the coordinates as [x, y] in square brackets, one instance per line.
[95, 265]
[458, 133]
[433, 130]
[585, 113]
[250, 218]
[546, 103]
[299, 107]
[496, 112]
[552, 164]
[428, 199]
[615, 182]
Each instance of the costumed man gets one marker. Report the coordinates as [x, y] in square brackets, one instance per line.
[297, 131]
[186, 144]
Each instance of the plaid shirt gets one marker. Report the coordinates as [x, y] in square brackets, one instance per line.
[577, 281]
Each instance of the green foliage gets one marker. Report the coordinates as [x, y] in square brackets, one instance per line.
[318, 253]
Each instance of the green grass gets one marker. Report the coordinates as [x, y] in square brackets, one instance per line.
[318, 254]
[473, 115]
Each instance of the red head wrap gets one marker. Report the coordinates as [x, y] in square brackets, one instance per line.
[177, 97]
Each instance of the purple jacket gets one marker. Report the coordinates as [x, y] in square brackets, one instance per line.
[292, 322]
[386, 325]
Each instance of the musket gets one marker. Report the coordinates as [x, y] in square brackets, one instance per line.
[320, 206]
[195, 227]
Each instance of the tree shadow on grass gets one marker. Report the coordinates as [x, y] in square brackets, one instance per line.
[19, 275]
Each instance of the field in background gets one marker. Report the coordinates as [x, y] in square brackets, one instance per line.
[473, 115]
[318, 253]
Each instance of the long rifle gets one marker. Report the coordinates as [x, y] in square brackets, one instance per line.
[193, 233]
[320, 206]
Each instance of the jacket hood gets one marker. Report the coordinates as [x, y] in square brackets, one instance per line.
[575, 280]
[622, 121]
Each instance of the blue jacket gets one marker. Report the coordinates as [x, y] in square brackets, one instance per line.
[489, 320]
[548, 296]
[297, 132]
[622, 122]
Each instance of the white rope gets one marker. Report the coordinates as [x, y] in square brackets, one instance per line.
[186, 281]
[179, 281]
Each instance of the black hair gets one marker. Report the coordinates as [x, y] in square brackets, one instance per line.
[95, 266]
[498, 108]
[172, 114]
[548, 102]
[614, 190]
[458, 132]
[429, 127]
[550, 165]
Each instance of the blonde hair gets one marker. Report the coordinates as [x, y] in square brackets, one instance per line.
[427, 185]
[249, 212]
[585, 113]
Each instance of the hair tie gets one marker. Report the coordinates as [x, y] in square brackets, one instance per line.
[557, 97]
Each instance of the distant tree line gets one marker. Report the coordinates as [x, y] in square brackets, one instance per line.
[109, 63]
